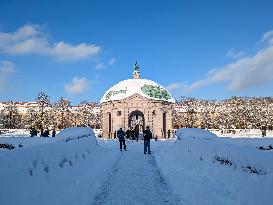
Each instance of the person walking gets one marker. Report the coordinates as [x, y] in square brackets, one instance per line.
[42, 133]
[136, 134]
[121, 137]
[133, 134]
[53, 132]
[33, 132]
[147, 137]
[46, 133]
[169, 133]
[128, 133]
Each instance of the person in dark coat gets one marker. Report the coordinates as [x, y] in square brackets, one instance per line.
[33, 132]
[53, 133]
[136, 134]
[42, 133]
[115, 134]
[169, 134]
[133, 134]
[46, 133]
[121, 137]
[128, 134]
[147, 137]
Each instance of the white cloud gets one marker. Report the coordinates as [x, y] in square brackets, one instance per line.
[112, 61]
[174, 86]
[30, 39]
[100, 66]
[77, 86]
[244, 73]
[67, 52]
[6, 70]
[232, 53]
[267, 37]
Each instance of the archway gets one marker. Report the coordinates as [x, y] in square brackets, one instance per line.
[136, 120]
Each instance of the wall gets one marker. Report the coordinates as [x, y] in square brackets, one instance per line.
[132, 103]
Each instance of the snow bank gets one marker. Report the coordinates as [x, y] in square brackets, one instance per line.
[14, 133]
[242, 133]
[26, 141]
[216, 172]
[67, 171]
[195, 133]
[73, 133]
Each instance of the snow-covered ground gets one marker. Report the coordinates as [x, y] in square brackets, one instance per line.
[203, 169]
[135, 178]
[241, 133]
[14, 133]
[67, 170]
[78, 168]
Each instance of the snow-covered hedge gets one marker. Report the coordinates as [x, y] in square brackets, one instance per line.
[218, 150]
[71, 160]
[73, 133]
[195, 133]
[241, 174]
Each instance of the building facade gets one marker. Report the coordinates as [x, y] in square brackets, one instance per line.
[137, 103]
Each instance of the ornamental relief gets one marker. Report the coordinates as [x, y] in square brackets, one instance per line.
[114, 92]
[156, 92]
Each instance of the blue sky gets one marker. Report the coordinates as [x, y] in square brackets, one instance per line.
[79, 49]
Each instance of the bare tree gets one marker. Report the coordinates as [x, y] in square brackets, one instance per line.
[235, 112]
[44, 104]
[62, 111]
[89, 116]
[11, 118]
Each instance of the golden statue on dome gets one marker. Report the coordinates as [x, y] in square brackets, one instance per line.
[136, 73]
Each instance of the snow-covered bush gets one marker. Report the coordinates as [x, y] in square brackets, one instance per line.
[218, 171]
[195, 133]
[57, 165]
[73, 133]
[6, 146]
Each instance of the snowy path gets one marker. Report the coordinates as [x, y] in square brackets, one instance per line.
[134, 180]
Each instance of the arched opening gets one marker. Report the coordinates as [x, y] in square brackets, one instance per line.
[136, 120]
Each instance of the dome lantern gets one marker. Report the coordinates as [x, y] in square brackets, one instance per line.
[136, 73]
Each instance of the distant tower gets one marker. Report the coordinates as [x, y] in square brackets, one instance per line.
[136, 73]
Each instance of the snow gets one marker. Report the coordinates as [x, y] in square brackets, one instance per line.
[131, 87]
[75, 133]
[243, 133]
[54, 173]
[135, 178]
[14, 133]
[191, 167]
[196, 168]
[195, 133]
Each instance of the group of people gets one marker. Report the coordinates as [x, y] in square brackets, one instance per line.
[132, 134]
[44, 133]
[147, 134]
